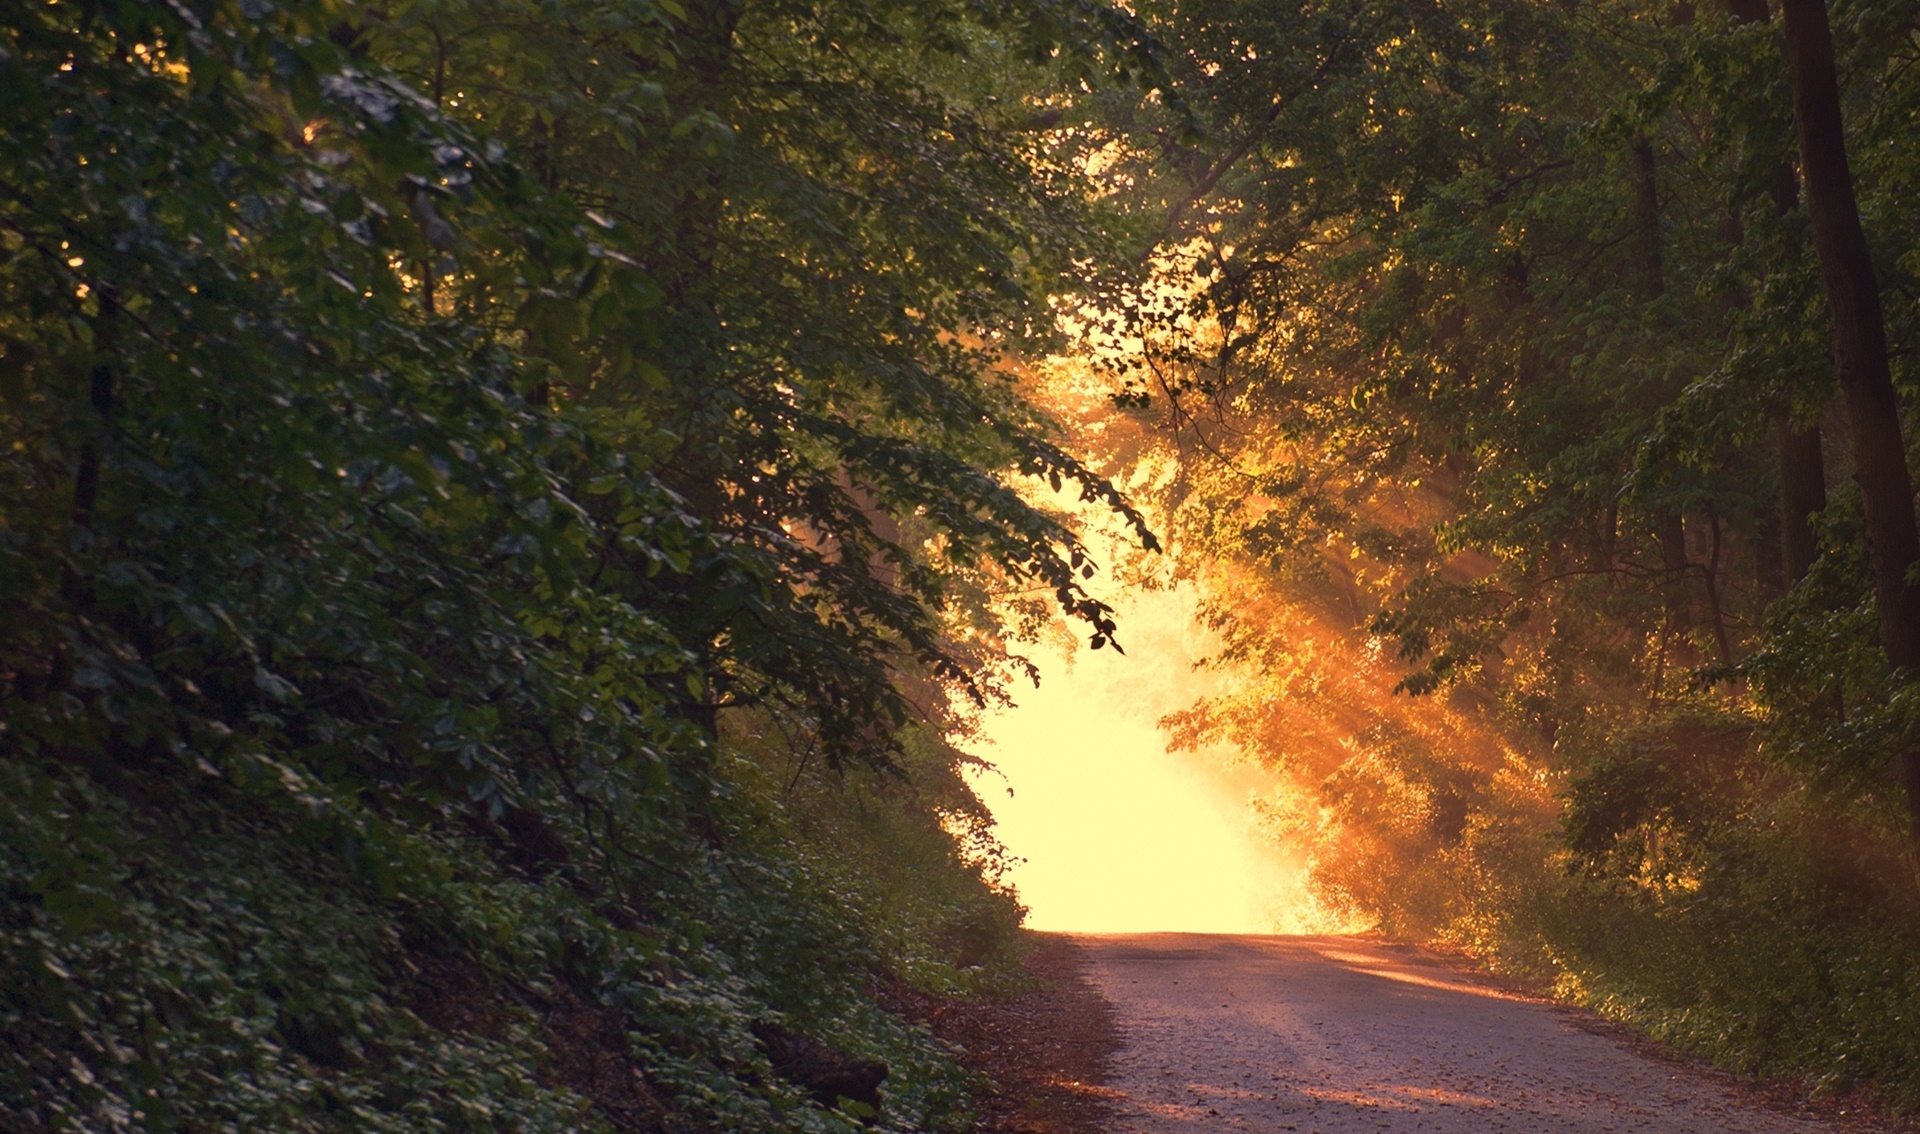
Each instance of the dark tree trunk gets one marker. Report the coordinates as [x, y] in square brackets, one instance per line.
[1672, 534]
[1769, 574]
[1714, 609]
[1653, 281]
[1859, 350]
[1803, 477]
[86, 474]
[1803, 492]
[1669, 528]
[1803, 482]
[86, 479]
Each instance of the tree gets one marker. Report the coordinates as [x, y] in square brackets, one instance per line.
[421, 424]
[1488, 346]
[1859, 352]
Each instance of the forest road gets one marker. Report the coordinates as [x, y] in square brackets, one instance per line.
[1338, 1035]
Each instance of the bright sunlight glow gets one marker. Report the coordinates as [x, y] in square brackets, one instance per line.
[1117, 833]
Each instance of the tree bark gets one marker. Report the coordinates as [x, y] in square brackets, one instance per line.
[1769, 568]
[1859, 350]
[1671, 531]
[1803, 482]
[1669, 526]
[1803, 475]
[1653, 280]
[1803, 492]
[86, 479]
[1714, 609]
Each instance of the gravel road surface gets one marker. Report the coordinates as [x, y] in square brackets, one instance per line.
[1342, 1036]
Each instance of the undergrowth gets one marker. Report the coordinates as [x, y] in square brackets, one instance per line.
[1683, 885]
[193, 955]
[1791, 958]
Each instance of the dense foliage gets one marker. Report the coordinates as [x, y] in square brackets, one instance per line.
[1493, 342]
[505, 506]
[494, 512]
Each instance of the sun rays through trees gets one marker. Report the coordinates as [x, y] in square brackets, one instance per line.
[510, 511]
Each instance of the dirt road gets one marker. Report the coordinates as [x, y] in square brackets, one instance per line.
[1339, 1036]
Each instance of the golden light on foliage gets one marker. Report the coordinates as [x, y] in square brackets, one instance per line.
[1301, 783]
[1111, 829]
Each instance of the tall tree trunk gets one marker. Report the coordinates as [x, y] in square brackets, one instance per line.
[1671, 531]
[1769, 566]
[1859, 351]
[1803, 481]
[1669, 527]
[1646, 206]
[1803, 492]
[86, 476]
[1714, 609]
